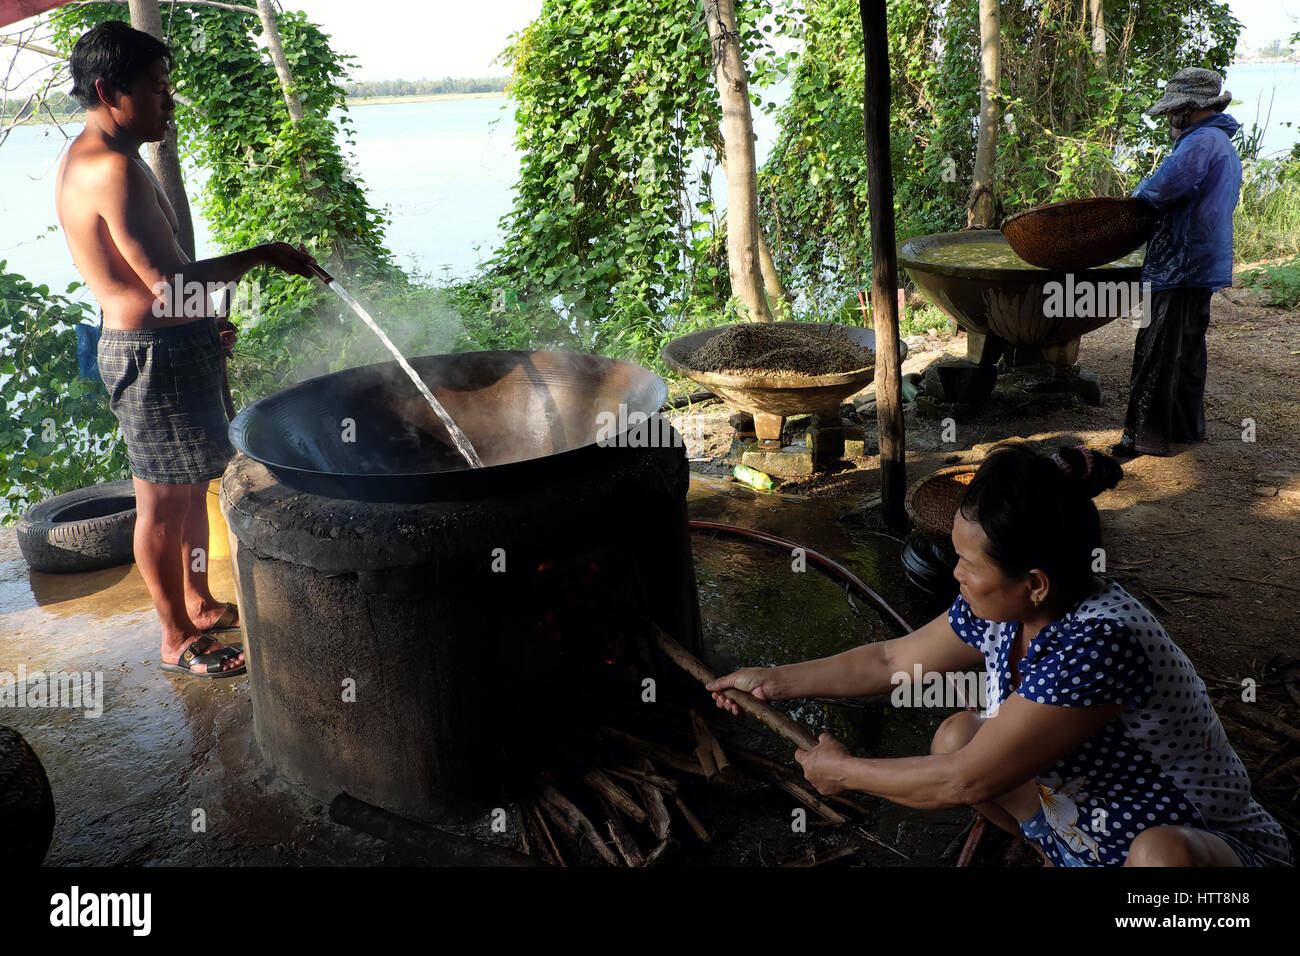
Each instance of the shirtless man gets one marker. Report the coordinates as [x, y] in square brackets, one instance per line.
[162, 367]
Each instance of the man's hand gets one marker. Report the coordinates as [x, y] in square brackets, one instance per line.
[754, 680]
[824, 765]
[228, 331]
[285, 257]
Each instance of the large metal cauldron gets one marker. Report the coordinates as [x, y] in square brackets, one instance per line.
[1006, 303]
[417, 631]
[367, 434]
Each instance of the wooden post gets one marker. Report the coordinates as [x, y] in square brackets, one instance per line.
[884, 264]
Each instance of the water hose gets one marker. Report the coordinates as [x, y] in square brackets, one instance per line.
[834, 567]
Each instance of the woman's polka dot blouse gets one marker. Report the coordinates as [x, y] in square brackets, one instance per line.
[1165, 760]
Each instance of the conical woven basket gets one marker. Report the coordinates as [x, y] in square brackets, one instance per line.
[1079, 233]
[932, 501]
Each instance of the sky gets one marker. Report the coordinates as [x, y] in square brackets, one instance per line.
[411, 39]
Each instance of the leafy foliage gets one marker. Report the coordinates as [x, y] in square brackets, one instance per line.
[1070, 128]
[614, 236]
[269, 178]
[57, 433]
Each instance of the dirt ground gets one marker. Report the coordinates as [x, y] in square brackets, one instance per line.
[1208, 538]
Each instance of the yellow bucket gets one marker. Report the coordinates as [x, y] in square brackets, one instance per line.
[218, 535]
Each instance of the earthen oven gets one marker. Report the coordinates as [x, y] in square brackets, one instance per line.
[416, 630]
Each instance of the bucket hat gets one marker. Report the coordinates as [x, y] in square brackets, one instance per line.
[1193, 87]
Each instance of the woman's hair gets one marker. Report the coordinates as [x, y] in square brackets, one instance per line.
[1037, 512]
[113, 52]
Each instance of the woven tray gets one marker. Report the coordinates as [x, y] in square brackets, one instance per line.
[1079, 233]
[932, 501]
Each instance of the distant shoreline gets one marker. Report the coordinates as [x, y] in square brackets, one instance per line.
[420, 98]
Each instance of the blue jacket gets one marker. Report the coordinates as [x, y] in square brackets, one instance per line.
[1195, 190]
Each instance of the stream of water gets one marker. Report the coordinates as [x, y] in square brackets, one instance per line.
[458, 437]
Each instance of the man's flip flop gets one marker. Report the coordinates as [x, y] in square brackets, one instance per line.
[212, 660]
[226, 621]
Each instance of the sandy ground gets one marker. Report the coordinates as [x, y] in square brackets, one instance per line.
[1209, 538]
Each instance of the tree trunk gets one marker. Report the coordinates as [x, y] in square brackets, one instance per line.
[1097, 8]
[164, 158]
[884, 265]
[979, 210]
[742, 174]
[272, 32]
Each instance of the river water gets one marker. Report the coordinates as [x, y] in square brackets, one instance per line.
[445, 170]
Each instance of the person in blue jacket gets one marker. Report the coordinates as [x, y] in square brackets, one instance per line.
[1189, 257]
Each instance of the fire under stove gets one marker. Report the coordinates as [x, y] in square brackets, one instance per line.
[417, 631]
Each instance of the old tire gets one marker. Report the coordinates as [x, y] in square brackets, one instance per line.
[83, 530]
[26, 802]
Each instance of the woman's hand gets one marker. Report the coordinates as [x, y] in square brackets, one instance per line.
[823, 766]
[758, 681]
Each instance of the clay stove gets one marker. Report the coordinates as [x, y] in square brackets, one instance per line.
[414, 628]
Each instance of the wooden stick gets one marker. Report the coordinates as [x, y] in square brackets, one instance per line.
[707, 738]
[839, 854]
[1272, 584]
[767, 715]
[613, 793]
[806, 798]
[623, 840]
[665, 784]
[660, 822]
[546, 842]
[1280, 771]
[693, 821]
[775, 771]
[579, 820]
[523, 832]
[1271, 725]
[659, 753]
[703, 750]
[558, 819]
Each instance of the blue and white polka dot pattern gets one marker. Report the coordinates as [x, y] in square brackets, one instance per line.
[1165, 760]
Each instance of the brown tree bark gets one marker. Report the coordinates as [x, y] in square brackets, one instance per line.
[1098, 12]
[272, 32]
[743, 260]
[980, 210]
[164, 158]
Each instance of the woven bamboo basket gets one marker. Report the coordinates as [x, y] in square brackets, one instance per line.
[1079, 233]
[932, 501]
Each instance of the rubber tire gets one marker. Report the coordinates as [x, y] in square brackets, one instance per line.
[54, 538]
[26, 803]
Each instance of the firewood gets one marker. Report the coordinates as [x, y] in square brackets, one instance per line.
[1261, 721]
[808, 800]
[523, 833]
[693, 821]
[774, 771]
[708, 743]
[660, 753]
[1279, 772]
[812, 859]
[769, 716]
[666, 784]
[660, 822]
[623, 840]
[578, 820]
[545, 841]
[615, 794]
